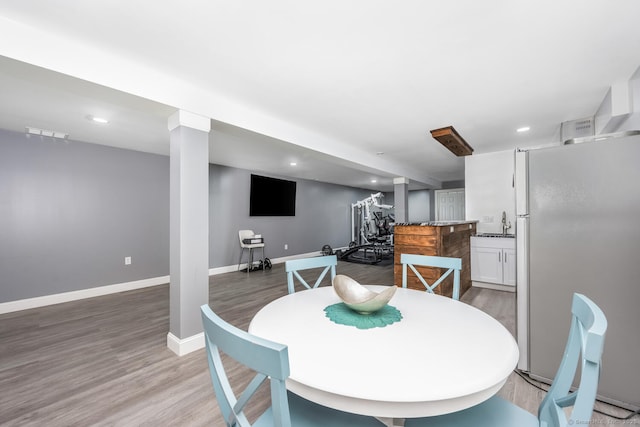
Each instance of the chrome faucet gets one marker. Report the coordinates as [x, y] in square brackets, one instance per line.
[505, 226]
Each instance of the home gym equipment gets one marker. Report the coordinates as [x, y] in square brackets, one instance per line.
[371, 232]
[263, 264]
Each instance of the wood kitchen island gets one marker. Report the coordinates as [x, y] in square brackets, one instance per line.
[437, 238]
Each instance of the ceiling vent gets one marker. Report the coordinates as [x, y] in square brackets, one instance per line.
[451, 139]
[577, 129]
[44, 132]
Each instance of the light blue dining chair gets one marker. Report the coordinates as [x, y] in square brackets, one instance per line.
[585, 343]
[270, 361]
[452, 264]
[292, 267]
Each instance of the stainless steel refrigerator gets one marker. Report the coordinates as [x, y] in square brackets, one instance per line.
[578, 230]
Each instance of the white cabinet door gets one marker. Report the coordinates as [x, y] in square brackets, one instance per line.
[486, 265]
[493, 260]
[509, 266]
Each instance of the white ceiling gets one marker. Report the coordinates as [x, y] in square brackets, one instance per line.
[326, 84]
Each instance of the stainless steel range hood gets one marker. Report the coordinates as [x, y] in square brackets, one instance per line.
[601, 137]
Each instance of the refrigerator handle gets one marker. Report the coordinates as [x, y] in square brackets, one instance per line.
[521, 178]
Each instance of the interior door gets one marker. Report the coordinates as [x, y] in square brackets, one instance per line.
[450, 204]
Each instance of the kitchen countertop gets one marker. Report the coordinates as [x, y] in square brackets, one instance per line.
[436, 223]
[496, 235]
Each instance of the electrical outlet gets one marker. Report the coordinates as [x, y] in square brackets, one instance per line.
[127, 260]
[286, 247]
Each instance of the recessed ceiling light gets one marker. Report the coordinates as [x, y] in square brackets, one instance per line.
[523, 129]
[97, 119]
[374, 181]
[292, 164]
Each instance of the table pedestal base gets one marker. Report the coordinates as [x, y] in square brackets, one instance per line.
[391, 422]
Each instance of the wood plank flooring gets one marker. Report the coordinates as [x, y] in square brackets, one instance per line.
[104, 362]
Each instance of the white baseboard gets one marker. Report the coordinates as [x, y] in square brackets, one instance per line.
[494, 286]
[185, 345]
[25, 304]
[287, 258]
[229, 268]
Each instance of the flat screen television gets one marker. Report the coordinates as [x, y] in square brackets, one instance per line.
[272, 197]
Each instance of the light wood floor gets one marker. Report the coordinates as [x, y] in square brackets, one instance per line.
[104, 361]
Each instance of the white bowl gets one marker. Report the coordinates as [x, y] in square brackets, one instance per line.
[358, 298]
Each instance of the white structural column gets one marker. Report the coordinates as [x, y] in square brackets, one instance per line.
[189, 229]
[401, 199]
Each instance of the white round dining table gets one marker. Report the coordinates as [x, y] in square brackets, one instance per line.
[441, 357]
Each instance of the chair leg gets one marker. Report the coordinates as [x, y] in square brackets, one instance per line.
[250, 264]
[240, 259]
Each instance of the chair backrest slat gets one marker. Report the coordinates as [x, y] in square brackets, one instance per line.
[244, 234]
[268, 359]
[248, 234]
[585, 344]
[248, 392]
[452, 264]
[292, 267]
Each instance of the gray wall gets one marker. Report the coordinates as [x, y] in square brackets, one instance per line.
[70, 212]
[453, 184]
[323, 216]
[420, 206]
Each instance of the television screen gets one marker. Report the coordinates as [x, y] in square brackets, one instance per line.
[272, 197]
